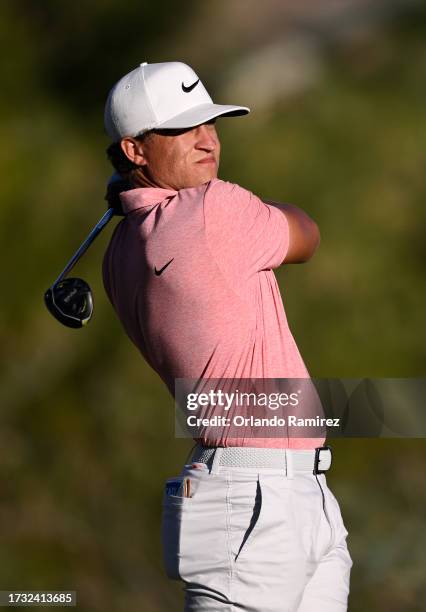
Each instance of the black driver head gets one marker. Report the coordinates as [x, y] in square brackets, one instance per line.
[70, 302]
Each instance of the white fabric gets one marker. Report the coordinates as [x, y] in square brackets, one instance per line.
[256, 541]
[165, 95]
[248, 457]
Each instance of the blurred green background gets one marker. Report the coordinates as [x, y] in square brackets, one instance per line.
[337, 92]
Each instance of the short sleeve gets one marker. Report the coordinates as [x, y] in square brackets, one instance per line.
[242, 230]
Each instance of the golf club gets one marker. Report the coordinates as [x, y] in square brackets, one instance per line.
[70, 300]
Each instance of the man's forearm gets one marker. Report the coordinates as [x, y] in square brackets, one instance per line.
[304, 232]
[294, 211]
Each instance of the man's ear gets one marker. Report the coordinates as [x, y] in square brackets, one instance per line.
[133, 150]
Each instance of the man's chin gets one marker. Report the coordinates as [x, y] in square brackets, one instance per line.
[196, 179]
[205, 177]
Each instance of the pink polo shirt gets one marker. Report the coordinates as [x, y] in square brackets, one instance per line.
[190, 275]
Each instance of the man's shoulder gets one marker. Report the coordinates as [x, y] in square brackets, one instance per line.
[211, 190]
[218, 188]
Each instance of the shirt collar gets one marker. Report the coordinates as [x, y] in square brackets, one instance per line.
[143, 197]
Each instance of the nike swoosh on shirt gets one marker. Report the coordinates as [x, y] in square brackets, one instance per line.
[158, 272]
[189, 88]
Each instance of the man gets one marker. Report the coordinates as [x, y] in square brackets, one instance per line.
[250, 523]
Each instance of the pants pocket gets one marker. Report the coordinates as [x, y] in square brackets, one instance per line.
[333, 509]
[326, 529]
[332, 517]
[170, 536]
[245, 505]
[174, 506]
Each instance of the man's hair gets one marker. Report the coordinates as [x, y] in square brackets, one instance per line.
[130, 173]
[122, 164]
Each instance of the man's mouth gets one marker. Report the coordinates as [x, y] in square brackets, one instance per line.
[207, 160]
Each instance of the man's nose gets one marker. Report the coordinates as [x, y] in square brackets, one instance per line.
[206, 137]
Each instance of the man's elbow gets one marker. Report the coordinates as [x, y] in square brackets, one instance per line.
[304, 241]
[312, 242]
[303, 232]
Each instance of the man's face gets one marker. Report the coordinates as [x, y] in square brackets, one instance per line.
[176, 159]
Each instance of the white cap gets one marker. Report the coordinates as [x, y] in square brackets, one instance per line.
[168, 95]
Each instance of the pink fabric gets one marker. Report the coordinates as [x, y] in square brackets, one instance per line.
[216, 310]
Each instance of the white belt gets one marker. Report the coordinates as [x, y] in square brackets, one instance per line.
[313, 461]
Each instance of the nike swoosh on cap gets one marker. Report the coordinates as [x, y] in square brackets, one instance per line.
[189, 88]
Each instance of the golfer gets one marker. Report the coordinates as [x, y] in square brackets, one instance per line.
[249, 523]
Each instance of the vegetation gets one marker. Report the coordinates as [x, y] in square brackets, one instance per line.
[87, 429]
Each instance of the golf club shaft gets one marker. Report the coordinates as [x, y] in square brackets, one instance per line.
[83, 248]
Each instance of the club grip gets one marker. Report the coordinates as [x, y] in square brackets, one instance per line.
[112, 195]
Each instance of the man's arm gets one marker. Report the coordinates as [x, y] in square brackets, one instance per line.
[304, 235]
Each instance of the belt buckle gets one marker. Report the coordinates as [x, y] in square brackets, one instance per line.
[317, 459]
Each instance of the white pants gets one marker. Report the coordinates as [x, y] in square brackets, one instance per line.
[256, 540]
